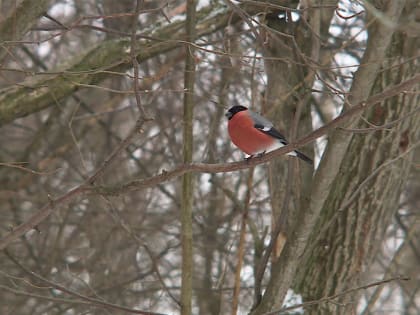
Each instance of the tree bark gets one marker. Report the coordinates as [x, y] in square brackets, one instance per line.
[19, 22]
[328, 174]
[365, 192]
[97, 63]
[187, 180]
[291, 50]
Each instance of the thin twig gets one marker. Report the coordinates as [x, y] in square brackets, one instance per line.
[122, 146]
[332, 297]
[155, 267]
[86, 188]
[353, 196]
[63, 289]
[18, 165]
[381, 127]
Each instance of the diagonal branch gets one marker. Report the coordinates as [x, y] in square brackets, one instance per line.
[84, 189]
[102, 62]
[92, 301]
[19, 22]
[286, 310]
[286, 267]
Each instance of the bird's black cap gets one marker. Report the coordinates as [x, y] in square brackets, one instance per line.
[233, 110]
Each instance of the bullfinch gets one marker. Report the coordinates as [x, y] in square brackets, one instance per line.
[254, 134]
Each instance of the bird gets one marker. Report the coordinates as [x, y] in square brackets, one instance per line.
[254, 134]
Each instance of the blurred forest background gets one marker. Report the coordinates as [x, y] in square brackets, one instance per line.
[104, 104]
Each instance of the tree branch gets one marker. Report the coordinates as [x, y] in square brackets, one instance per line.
[101, 62]
[285, 268]
[332, 297]
[187, 152]
[92, 301]
[85, 189]
[20, 21]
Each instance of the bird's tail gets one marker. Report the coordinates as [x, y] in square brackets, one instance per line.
[303, 157]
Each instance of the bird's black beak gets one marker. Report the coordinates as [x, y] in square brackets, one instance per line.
[228, 115]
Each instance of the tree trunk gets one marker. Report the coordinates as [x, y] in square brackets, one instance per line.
[291, 46]
[366, 191]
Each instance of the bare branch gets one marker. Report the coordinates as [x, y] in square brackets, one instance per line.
[112, 55]
[86, 188]
[20, 21]
[330, 299]
[82, 297]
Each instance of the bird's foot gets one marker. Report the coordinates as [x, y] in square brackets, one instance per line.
[248, 158]
[260, 154]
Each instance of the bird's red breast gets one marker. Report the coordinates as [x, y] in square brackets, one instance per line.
[246, 137]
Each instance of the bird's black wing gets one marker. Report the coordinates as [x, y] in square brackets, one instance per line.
[266, 126]
[271, 132]
[276, 134]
